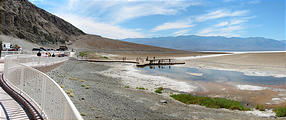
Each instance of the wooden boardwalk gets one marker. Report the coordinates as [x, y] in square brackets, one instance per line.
[10, 110]
[102, 60]
[143, 63]
[139, 62]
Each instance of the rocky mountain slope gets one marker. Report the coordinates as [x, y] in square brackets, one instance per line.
[98, 43]
[22, 19]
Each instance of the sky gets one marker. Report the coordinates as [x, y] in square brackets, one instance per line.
[119, 19]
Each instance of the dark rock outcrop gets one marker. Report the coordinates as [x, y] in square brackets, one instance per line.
[22, 19]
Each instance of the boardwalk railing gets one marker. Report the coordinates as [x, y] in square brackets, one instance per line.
[39, 88]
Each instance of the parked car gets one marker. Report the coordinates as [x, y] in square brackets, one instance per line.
[36, 49]
[42, 49]
[63, 48]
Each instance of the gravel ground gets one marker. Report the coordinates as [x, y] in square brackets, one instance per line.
[107, 98]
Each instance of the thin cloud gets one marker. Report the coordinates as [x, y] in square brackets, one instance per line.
[181, 32]
[221, 24]
[140, 9]
[222, 29]
[254, 2]
[221, 13]
[118, 11]
[36, 1]
[173, 25]
[90, 26]
[229, 28]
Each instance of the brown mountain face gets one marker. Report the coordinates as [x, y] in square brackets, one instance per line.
[22, 19]
[98, 43]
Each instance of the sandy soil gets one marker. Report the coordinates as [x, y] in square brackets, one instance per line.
[107, 97]
[133, 55]
[164, 55]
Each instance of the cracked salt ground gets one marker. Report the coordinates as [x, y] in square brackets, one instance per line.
[266, 113]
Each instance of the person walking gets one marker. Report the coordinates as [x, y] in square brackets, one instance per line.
[39, 54]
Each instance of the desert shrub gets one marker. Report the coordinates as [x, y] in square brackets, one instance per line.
[280, 112]
[210, 102]
[82, 80]
[159, 90]
[140, 88]
[62, 86]
[68, 91]
[105, 57]
[260, 107]
[87, 87]
[83, 114]
[83, 54]
[71, 94]
[82, 85]
[127, 86]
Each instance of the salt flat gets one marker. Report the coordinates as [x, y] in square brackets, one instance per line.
[260, 64]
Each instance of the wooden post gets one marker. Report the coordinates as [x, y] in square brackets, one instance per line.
[0, 48]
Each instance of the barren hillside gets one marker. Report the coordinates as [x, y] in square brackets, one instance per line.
[22, 19]
[99, 43]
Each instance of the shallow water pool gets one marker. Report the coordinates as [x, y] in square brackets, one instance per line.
[210, 75]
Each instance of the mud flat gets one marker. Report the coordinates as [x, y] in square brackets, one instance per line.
[108, 98]
[257, 64]
[250, 64]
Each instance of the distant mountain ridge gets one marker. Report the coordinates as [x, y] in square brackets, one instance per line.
[212, 43]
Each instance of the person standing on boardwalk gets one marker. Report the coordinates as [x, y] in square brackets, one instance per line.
[39, 54]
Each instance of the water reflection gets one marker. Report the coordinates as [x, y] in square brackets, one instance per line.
[159, 67]
[208, 75]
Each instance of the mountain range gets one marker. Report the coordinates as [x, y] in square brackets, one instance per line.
[213, 43]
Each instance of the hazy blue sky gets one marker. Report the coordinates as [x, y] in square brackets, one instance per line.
[145, 18]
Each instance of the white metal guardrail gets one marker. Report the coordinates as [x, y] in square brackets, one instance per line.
[5, 53]
[53, 102]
